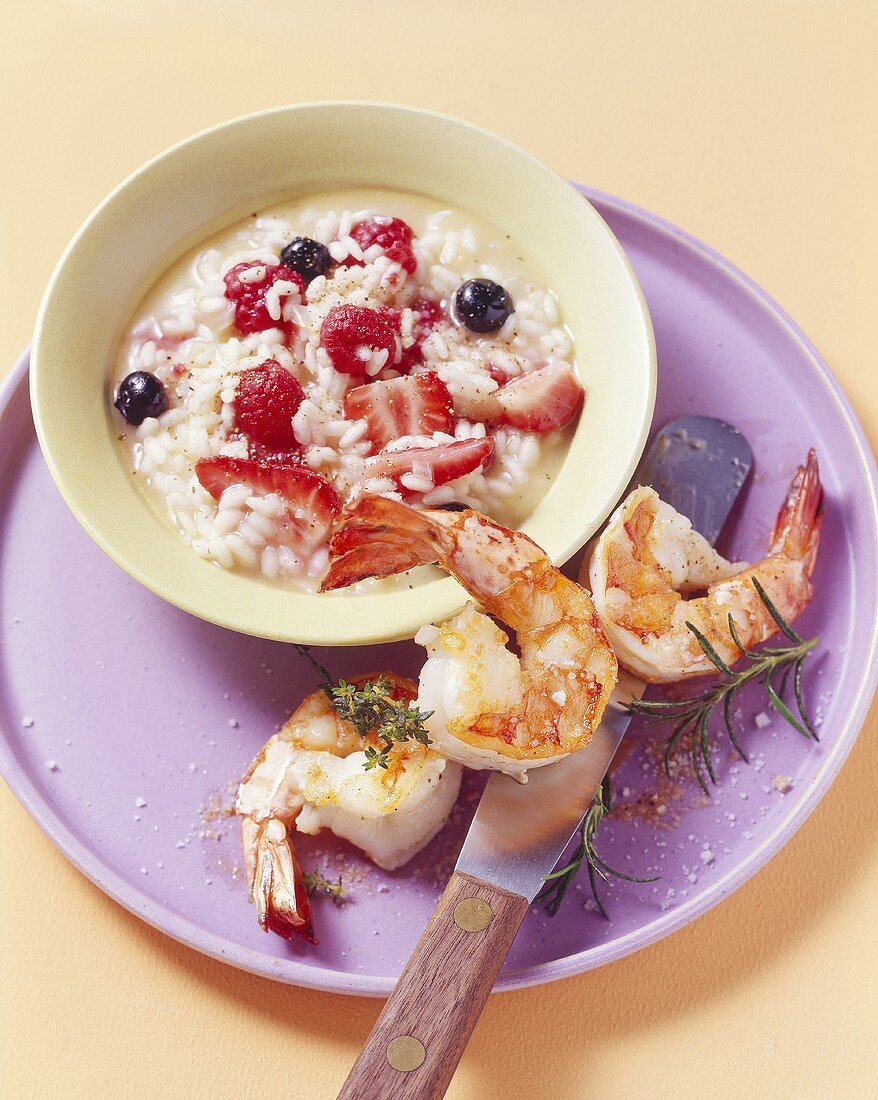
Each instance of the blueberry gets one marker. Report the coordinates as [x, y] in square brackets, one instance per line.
[482, 305]
[308, 258]
[140, 395]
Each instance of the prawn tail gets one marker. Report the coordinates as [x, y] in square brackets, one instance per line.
[797, 527]
[379, 537]
[278, 887]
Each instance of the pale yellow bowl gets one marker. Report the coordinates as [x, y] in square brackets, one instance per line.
[212, 179]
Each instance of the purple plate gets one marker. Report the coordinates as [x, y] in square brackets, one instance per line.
[125, 723]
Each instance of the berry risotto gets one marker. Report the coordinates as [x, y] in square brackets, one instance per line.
[359, 342]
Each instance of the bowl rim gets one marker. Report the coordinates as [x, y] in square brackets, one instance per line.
[406, 620]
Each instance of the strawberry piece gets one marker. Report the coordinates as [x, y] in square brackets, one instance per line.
[251, 312]
[440, 464]
[313, 504]
[392, 236]
[417, 405]
[266, 400]
[537, 401]
[348, 332]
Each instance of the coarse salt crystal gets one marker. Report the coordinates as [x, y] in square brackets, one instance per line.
[707, 856]
[193, 767]
[782, 783]
[762, 720]
[27, 722]
[233, 722]
[559, 697]
[52, 766]
[140, 801]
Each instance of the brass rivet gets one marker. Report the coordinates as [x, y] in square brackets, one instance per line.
[472, 914]
[405, 1053]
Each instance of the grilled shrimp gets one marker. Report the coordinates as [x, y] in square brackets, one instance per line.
[310, 776]
[491, 708]
[649, 555]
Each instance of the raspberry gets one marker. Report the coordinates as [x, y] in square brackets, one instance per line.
[251, 312]
[266, 401]
[427, 315]
[393, 237]
[392, 317]
[350, 332]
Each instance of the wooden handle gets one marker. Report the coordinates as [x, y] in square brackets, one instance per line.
[423, 1029]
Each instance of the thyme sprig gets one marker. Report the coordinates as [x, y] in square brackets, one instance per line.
[316, 883]
[559, 881]
[773, 666]
[373, 711]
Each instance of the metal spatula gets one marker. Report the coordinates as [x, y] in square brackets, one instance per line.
[698, 465]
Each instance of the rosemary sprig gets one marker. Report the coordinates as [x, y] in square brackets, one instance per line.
[372, 710]
[315, 883]
[772, 666]
[558, 882]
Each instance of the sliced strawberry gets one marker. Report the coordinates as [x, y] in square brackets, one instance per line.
[440, 464]
[313, 504]
[266, 400]
[537, 401]
[417, 405]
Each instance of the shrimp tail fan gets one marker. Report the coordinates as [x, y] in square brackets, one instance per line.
[797, 527]
[378, 537]
[278, 888]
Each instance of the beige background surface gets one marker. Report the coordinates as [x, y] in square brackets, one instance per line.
[753, 125]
